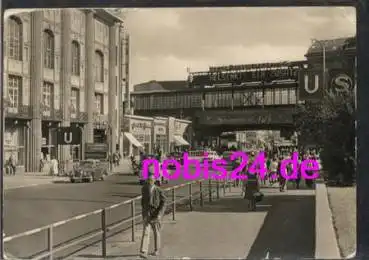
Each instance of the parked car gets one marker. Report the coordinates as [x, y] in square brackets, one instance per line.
[89, 171]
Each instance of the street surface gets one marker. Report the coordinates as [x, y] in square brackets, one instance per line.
[36, 206]
[283, 227]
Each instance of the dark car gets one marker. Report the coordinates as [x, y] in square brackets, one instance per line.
[89, 171]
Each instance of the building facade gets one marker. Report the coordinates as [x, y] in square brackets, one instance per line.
[62, 67]
[152, 133]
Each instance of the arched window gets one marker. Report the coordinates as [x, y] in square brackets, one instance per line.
[15, 38]
[75, 58]
[49, 48]
[99, 66]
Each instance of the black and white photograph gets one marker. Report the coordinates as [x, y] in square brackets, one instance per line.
[180, 133]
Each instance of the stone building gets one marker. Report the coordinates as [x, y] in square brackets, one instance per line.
[62, 67]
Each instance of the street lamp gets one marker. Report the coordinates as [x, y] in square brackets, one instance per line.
[322, 45]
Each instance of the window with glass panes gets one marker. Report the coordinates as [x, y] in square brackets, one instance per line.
[14, 38]
[284, 96]
[292, 96]
[74, 98]
[75, 58]
[47, 89]
[99, 66]
[268, 97]
[49, 46]
[99, 103]
[14, 90]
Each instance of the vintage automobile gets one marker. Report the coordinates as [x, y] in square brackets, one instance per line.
[89, 171]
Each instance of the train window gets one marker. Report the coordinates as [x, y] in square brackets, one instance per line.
[284, 96]
[292, 96]
[278, 96]
[268, 97]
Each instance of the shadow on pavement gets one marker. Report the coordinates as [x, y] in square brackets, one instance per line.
[126, 195]
[137, 256]
[133, 183]
[230, 204]
[125, 174]
[61, 181]
[288, 231]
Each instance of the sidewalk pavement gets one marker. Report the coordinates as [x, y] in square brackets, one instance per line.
[294, 223]
[326, 240]
[197, 234]
[29, 179]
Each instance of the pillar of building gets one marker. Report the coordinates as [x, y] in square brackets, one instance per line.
[36, 83]
[65, 76]
[90, 77]
[113, 76]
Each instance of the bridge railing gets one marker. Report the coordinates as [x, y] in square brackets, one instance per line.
[180, 195]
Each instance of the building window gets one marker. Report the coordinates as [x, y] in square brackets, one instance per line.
[74, 104]
[15, 38]
[99, 103]
[49, 46]
[47, 89]
[14, 90]
[99, 66]
[76, 55]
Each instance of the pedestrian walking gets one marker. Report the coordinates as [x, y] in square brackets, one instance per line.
[282, 179]
[153, 206]
[251, 187]
[54, 168]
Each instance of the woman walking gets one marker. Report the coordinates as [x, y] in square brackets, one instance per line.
[251, 187]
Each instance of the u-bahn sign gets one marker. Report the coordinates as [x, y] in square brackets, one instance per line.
[310, 84]
[69, 135]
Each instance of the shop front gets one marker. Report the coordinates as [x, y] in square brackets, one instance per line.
[49, 145]
[160, 135]
[177, 129]
[16, 143]
[137, 134]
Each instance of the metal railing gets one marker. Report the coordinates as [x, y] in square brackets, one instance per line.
[196, 191]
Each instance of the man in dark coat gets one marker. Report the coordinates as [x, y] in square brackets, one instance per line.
[153, 206]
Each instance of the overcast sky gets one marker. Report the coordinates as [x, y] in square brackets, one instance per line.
[164, 42]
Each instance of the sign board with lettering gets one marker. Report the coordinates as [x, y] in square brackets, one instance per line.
[69, 135]
[237, 77]
[311, 84]
[160, 130]
[249, 117]
[340, 81]
[97, 151]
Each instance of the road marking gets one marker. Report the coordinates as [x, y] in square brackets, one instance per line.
[25, 186]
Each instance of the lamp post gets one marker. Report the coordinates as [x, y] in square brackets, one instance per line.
[322, 45]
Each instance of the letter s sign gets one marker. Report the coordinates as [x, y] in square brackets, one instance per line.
[342, 83]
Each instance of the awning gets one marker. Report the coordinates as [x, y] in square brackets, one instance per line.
[180, 141]
[132, 139]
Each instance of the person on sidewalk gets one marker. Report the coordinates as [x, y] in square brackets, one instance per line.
[251, 187]
[54, 168]
[153, 206]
